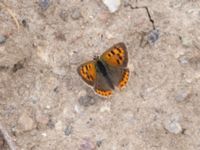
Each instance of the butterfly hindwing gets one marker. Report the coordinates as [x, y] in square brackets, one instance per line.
[124, 78]
[88, 72]
[102, 86]
[116, 56]
[119, 76]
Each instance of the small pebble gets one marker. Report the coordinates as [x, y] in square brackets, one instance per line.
[2, 39]
[26, 123]
[183, 59]
[24, 23]
[64, 15]
[42, 119]
[173, 127]
[153, 36]
[113, 5]
[44, 134]
[76, 14]
[186, 41]
[182, 95]
[44, 4]
[60, 36]
[19, 65]
[87, 145]
[51, 124]
[99, 143]
[68, 130]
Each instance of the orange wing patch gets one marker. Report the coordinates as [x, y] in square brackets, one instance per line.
[88, 72]
[103, 92]
[124, 79]
[115, 56]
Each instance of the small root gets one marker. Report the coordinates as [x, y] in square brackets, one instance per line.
[12, 14]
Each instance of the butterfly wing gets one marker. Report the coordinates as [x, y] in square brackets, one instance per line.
[102, 86]
[116, 56]
[94, 78]
[124, 78]
[88, 72]
[115, 59]
[118, 76]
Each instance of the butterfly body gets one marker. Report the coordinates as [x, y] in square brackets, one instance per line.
[102, 69]
[108, 71]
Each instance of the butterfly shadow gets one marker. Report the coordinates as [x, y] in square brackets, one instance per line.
[90, 98]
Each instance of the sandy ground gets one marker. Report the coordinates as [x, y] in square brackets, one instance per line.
[44, 104]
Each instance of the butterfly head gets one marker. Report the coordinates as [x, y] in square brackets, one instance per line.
[96, 57]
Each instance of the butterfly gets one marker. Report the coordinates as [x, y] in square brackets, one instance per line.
[108, 71]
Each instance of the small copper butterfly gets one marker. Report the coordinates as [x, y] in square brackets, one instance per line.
[108, 71]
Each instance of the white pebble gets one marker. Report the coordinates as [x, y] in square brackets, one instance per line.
[113, 5]
[173, 126]
[44, 134]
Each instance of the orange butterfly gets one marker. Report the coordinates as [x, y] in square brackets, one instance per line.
[107, 71]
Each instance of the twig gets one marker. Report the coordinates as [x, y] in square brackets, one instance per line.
[11, 14]
[148, 13]
[7, 138]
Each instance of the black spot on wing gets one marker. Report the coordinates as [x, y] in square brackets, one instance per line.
[112, 52]
[86, 67]
[120, 57]
[88, 77]
[119, 50]
[118, 61]
[109, 55]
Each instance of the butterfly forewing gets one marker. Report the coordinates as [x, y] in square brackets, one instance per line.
[116, 56]
[88, 72]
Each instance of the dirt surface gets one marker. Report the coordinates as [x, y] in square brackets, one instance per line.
[44, 104]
